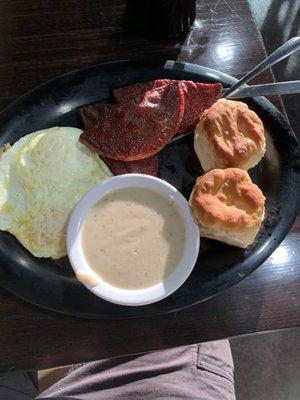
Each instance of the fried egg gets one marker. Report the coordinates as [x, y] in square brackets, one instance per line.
[42, 177]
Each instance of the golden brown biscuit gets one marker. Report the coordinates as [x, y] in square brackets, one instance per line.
[229, 134]
[228, 206]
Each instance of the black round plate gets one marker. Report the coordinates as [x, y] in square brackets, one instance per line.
[52, 284]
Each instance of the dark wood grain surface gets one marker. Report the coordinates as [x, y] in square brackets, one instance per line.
[42, 39]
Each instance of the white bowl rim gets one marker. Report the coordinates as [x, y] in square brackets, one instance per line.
[141, 296]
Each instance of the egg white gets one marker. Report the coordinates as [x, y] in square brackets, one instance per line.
[42, 177]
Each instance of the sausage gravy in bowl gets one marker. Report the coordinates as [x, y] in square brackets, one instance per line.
[132, 239]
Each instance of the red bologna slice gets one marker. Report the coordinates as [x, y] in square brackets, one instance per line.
[149, 92]
[198, 97]
[148, 166]
[90, 114]
[128, 133]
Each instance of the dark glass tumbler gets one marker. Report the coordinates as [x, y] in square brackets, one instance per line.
[160, 19]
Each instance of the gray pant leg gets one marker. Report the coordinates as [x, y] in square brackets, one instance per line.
[18, 386]
[203, 372]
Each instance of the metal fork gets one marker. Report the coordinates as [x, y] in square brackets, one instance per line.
[288, 48]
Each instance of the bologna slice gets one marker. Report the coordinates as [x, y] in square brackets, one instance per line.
[147, 92]
[148, 166]
[90, 114]
[198, 97]
[134, 132]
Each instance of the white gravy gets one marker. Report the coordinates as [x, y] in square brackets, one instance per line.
[133, 238]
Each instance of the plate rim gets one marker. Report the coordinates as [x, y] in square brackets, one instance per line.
[172, 66]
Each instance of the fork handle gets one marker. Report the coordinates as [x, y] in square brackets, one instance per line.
[282, 52]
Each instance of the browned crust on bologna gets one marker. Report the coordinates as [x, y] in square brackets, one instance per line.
[198, 97]
[147, 92]
[129, 133]
[148, 166]
[90, 114]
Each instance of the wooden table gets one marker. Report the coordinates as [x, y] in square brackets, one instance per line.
[42, 39]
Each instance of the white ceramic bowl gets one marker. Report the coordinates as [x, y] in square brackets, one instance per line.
[124, 296]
